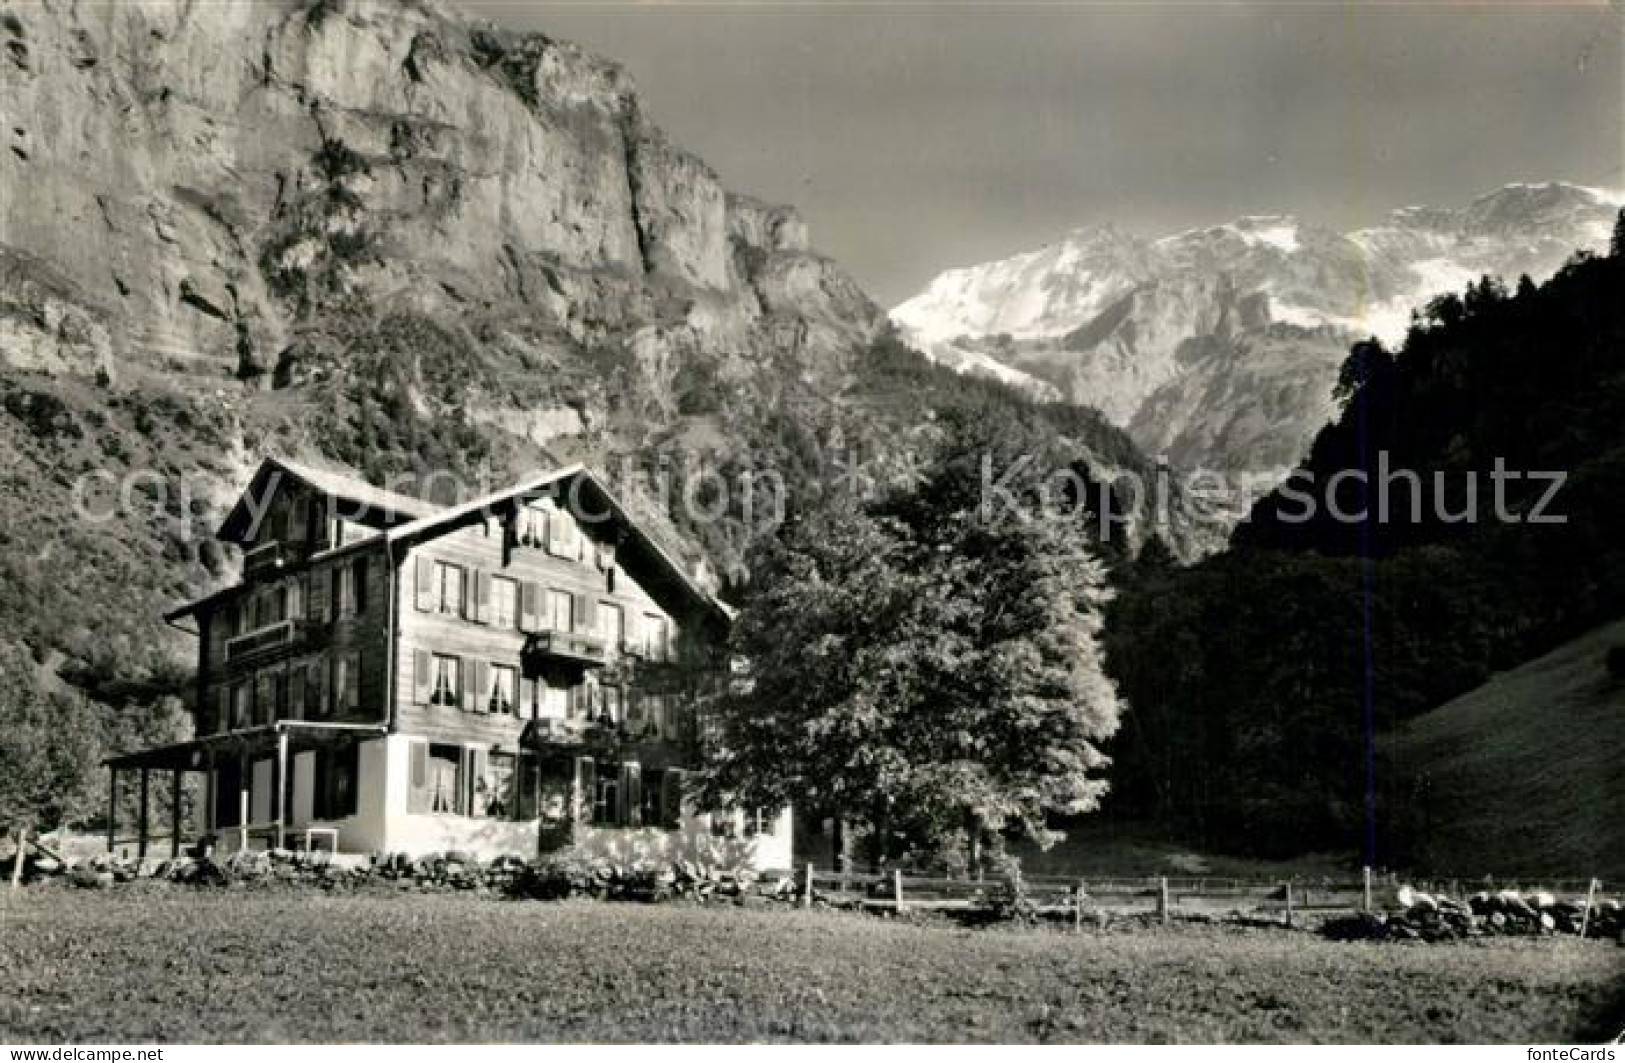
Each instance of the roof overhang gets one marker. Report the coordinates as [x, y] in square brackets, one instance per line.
[192, 754]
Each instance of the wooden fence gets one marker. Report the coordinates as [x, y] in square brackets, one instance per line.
[1279, 900]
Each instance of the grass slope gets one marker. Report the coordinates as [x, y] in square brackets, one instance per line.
[173, 965]
[1524, 775]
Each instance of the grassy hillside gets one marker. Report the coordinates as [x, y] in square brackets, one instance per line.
[1523, 776]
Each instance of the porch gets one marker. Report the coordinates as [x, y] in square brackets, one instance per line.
[224, 808]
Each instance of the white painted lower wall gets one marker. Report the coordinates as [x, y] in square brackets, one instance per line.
[382, 823]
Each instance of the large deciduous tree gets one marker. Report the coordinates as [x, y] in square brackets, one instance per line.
[927, 665]
[49, 745]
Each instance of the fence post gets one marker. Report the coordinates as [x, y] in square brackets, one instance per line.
[1365, 889]
[1289, 905]
[1163, 907]
[807, 888]
[897, 887]
[1077, 907]
[1585, 919]
[17, 860]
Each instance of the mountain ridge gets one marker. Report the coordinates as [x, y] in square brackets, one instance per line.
[1260, 309]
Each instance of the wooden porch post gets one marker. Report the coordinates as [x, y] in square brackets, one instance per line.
[143, 824]
[279, 781]
[174, 813]
[245, 779]
[211, 814]
[112, 806]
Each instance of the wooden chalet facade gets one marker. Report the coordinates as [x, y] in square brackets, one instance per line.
[513, 674]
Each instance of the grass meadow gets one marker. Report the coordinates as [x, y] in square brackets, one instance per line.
[149, 962]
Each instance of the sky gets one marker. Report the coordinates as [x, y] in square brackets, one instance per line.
[918, 136]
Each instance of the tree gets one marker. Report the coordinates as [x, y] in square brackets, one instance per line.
[922, 666]
[1616, 245]
[49, 747]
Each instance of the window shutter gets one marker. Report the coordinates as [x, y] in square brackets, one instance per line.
[632, 795]
[425, 584]
[478, 796]
[473, 692]
[296, 692]
[296, 598]
[528, 702]
[317, 700]
[417, 794]
[422, 676]
[482, 597]
[352, 682]
[300, 529]
[530, 607]
[262, 698]
[583, 613]
[315, 596]
[586, 788]
[222, 708]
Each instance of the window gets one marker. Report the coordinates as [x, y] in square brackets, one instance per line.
[530, 526]
[759, 821]
[647, 713]
[552, 702]
[449, 589]
[657, 636]
[614, 705]
[654, 783]
[499, 794]
[349, 584]
[606, 796]
[447, 680]
[564, 538]
[444, 779]
[271, 606]
[612, 622]
[504, 602]
[347, 683]
[560, 610]
[503, 695]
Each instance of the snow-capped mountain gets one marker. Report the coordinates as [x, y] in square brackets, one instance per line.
[1218, 347]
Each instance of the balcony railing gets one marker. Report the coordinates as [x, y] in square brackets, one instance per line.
[276, 636]
[573, 646]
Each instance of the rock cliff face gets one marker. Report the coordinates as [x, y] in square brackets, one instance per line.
[211, 176]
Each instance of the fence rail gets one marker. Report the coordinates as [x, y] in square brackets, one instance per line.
[1163, 897]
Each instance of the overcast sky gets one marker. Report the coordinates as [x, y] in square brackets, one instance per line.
[917, 136]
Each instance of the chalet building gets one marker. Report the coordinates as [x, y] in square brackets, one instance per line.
[513, 674]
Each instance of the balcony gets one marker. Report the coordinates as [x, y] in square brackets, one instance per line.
[265, 640]
[569, 647]
[266, 558]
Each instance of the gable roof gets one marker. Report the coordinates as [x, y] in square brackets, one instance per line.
[425, 521]
[435, 524]
[344, 487]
